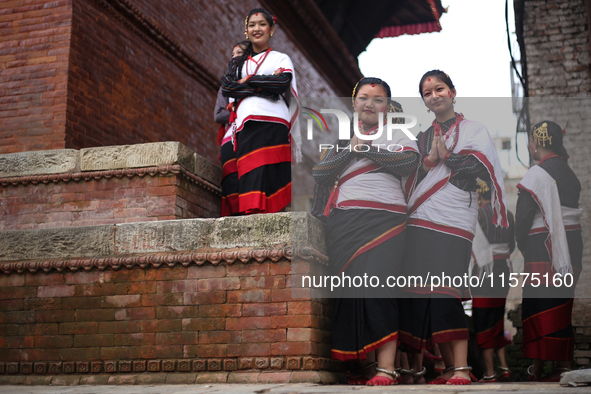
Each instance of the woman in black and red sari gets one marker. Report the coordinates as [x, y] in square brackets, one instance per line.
[491, 249]
[549, 235]
[221, 115]
[443, 215]
[262, 81]
[366, 214]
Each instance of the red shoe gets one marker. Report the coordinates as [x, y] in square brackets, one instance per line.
[458, 381]
[438, 380]
[505, 375]
[383, 380]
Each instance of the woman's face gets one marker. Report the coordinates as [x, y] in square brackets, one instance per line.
[259, 31]
[370, 101]
[438, 97]
[237, 51]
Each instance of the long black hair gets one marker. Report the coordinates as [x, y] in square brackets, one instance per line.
[443, 77]
[554, 140]
[270, 20]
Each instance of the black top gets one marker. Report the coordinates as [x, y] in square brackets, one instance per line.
[398, 164]
[496, 234]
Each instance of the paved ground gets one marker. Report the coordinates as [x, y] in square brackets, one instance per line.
[302, 388]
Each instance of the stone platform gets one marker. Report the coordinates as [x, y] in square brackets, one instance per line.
[291, 388]
[212, 297]
[106, 185]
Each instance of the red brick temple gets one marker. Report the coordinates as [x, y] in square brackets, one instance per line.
[114, 265]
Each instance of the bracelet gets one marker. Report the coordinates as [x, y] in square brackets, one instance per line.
[429, 163]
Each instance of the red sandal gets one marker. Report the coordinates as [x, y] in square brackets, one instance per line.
[458, 380]
[383, 380]
[440, 379]
[505, 375]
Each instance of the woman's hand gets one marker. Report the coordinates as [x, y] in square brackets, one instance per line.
[442, 151]
[434, 153]
[244, 79]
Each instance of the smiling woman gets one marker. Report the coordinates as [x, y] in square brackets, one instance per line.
[261, 81]
[443, 214]
[365, 216]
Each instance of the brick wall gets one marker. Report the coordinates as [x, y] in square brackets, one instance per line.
[34, 46]
[133, 71]
[103, 200]
[225, 317]
[556, 36]
[106, 185]
[167, 296]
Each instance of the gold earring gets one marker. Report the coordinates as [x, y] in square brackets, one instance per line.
[453, 101]
[428, 110]
[271, 34]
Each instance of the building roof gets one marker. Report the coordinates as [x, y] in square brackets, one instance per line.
[332, 33]
[357, 23]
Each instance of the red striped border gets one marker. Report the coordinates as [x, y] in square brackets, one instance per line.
[548, 241]
[259, 201]
[490, 338]
[486, 302]
[229, 168]
[361, 354]
[547, 322]
[262, 157]
[434, 189]
[229, 205]
[375, 242]
[458, 232]
[573, 227]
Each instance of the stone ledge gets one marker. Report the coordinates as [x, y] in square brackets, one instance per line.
[38, 244]
[256, 237]
[258, 377]
[134, 156]
[52, 163]
[39, 163]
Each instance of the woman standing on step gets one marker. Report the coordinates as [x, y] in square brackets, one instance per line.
[261, 81]
[366, 213]
[221, 115]
[443, 215]
[548, 233]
